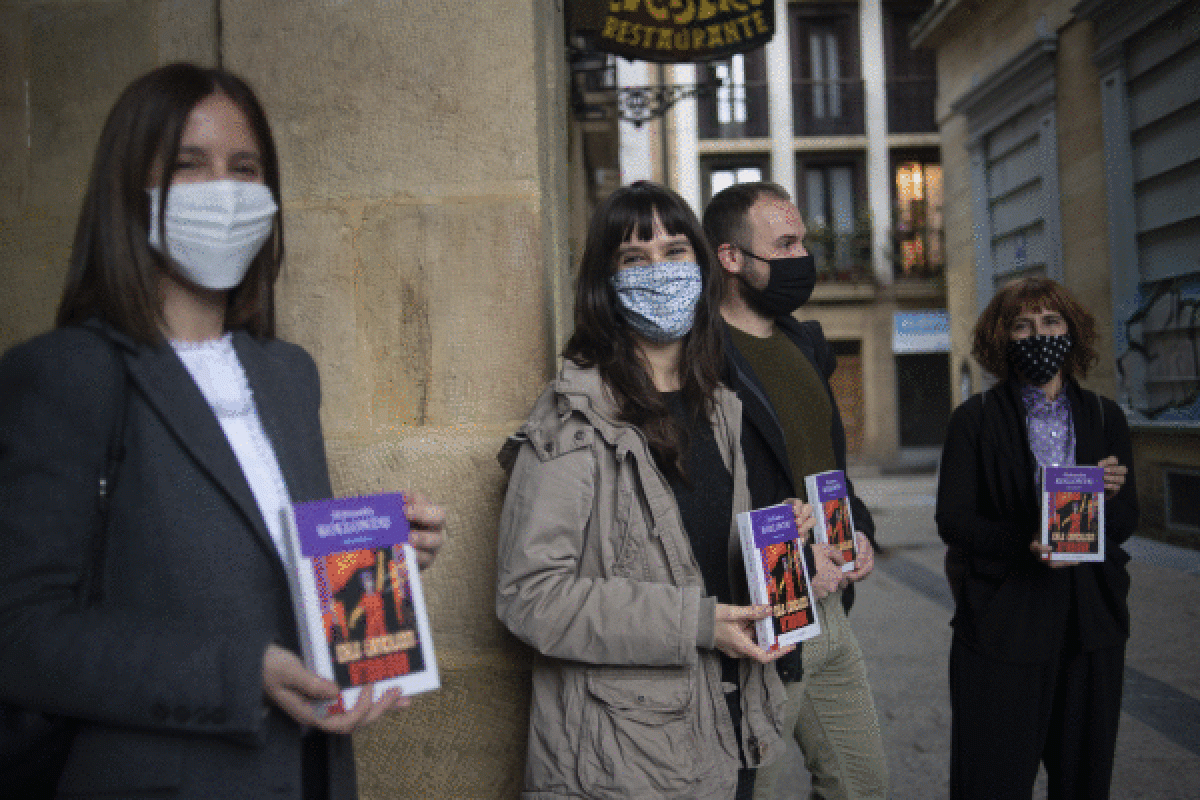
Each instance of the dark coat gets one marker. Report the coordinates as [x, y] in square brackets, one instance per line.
[166, 672]
[767, 464]
[768, 470]
[1009, 605]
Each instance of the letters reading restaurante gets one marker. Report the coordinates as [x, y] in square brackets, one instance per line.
[686, 25]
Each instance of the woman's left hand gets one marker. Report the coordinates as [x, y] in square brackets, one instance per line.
[1114, 475]
[427, 527]
[733, 633]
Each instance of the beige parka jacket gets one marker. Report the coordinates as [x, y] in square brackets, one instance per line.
[597, 574]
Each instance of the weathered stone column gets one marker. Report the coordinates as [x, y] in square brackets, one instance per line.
[424, 156]
[424, 159]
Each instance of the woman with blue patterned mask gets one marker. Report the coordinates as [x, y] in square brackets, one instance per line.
[618, 527]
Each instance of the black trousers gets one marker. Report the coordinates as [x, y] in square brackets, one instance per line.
[1006, 718]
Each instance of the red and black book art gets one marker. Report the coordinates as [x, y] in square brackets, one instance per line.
[1073, 513]
[777, 575]
[358, 598]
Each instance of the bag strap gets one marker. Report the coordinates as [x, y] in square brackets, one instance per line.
[114, 455]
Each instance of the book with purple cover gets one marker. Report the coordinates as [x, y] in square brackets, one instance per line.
[830, 498]
[777, 574]
[357, 592]
[1073, 513]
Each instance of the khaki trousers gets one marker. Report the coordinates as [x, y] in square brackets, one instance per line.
[832, 715]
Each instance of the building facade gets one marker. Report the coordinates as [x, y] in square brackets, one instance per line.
[1071, 143]
[838, 109]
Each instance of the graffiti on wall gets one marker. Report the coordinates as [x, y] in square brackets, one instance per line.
[1158, 366]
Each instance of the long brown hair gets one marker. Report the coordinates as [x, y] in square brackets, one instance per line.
[603, 340]
[994, 328]
[113, 273]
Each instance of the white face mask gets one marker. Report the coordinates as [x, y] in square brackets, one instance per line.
[214, 229]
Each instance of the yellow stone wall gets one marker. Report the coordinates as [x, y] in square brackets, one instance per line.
[425, 178]
[971, 43]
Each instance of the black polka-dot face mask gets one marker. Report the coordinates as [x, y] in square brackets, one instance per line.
[1039, 358]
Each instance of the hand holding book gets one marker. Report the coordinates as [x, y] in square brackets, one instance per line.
[427, 527]
[299, 691]
[1114, 475]
[733, 633]
[865, 562]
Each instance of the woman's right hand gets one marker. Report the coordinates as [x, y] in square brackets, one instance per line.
[295, 689]
[733, 633]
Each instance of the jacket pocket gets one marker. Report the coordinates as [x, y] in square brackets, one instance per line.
[639, 736]
[108, 760]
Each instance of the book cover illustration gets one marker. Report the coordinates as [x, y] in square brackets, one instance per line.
[1073, 513]
[358, 596]
[830, 498]
[777, 574]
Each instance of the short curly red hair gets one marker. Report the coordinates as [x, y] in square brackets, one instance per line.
[993, 330]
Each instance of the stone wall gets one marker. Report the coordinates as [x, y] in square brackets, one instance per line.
[974, 41]
[424, 160]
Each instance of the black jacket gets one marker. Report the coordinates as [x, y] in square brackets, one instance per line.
[170, 693]
[768, 470]
[1009, 605]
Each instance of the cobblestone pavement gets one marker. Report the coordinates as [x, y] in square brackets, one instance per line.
[902, 619]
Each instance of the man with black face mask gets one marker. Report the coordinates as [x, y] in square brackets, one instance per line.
[780, 369]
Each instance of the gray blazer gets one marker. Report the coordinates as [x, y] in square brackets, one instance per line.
[166, 672]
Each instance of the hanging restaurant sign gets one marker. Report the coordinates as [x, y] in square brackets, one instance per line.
[679, 30]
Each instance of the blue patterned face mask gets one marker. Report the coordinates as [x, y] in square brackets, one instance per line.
[659, 300]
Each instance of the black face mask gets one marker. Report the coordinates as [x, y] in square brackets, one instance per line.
[1039, 358]
[789, 286]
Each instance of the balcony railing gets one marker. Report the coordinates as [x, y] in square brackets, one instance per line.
[918, 254]
[828, 108]
[841, 257]
[912, 105]
[735, 111]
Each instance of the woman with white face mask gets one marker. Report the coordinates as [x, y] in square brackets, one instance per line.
[618, 554]
[147, 448]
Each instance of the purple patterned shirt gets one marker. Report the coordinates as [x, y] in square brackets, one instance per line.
[1051, 432]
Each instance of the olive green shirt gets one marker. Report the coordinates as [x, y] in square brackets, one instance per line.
[799, 397]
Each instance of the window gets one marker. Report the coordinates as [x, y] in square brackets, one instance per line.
[738, 108]
[911, 75]
[826, 72]
[838, 239]
[721, 173]
[919, 230]
[1013, 146]
[1148, 57]
[827, 91]
[731, 96]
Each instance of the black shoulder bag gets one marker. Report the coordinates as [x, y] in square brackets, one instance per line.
[34, 746]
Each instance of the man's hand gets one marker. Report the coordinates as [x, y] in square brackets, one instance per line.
[827, 562]
[733, 633]
[806, 520]
[427, 524]
[1114, 475]
[865, 563]
[295, 689]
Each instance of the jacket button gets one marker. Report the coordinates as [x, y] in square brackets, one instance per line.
[580, 436]
[548, 447]
[641, 698]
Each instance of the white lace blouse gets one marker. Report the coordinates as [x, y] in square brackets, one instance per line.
[214, 365]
